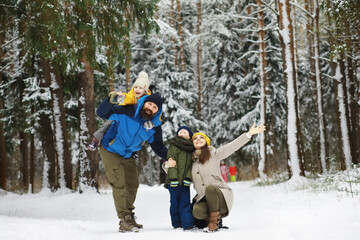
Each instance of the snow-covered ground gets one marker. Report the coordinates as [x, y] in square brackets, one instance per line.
[264, 213]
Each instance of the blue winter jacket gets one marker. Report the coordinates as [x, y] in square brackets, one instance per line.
[127, 133]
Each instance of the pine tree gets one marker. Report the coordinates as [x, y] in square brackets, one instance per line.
[319, 85]
[180, 35]
[274, 95]
[227, 71]
[199, 59]
[293, 130]
[264, 86]
[344, 17]
[47, 44]
[3, 153]
[46, 129]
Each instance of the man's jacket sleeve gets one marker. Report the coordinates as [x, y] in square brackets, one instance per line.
[105, 109]
[173, 153]
[158, 145]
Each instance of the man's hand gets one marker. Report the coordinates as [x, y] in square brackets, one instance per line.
[171, 162]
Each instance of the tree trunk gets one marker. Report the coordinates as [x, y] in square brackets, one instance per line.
[179, 22]
[316, 37]
[127, 47]
[110, 71]
[264, 82]
[199, 59]
[127, 75]
[334, 64]
[3, 151]
[355, 111]
[311, 74]
[300, 135]
[61, 134]
[293, 129]
[88, 160]
[32, 156]
[46, 133]
[342, 115]
[353, 104]
[24, 150]
[173, 25]
[296, 56]
[310, 38]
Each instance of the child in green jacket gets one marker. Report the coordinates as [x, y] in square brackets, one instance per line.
[179, 178]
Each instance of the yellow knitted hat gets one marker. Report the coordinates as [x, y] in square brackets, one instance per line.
[202, 134]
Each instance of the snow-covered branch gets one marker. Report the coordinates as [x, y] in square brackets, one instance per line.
[236, 15]
[9, 42]
[303, 9]
[268, 5]
[247, 53]
[245, 30]
[5, 67]
[15, 7]
[328, 76]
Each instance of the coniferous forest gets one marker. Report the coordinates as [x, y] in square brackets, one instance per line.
[220, 66]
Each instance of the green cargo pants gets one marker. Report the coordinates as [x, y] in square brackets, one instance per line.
[123, 176]
[213, 201]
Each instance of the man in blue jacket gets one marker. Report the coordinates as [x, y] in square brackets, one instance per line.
[131, 126]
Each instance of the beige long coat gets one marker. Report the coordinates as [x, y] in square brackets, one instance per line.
[207, 174]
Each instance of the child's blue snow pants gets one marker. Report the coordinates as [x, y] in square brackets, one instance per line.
[180, 207]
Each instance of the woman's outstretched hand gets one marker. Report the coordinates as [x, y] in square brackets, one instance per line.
[256, 130]
[171, 162]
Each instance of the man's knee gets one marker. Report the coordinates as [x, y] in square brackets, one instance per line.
[116, 178]
[131, 172]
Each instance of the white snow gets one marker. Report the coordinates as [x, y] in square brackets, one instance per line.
[271, 212]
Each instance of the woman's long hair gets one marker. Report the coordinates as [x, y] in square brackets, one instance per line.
[205, 154]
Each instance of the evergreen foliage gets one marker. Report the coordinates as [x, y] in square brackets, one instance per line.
[63, 33]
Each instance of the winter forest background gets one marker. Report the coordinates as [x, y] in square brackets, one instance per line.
[220, 66]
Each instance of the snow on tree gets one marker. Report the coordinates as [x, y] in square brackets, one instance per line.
[264, 86]
[286, 31]
[342, 115]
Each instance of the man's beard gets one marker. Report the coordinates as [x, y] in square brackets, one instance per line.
[145, 115]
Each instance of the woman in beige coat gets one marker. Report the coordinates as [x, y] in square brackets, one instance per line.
[214, 197]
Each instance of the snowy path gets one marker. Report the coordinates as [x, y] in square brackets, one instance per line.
[262, 213]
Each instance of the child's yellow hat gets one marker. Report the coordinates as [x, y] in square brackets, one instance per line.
[202, 134]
